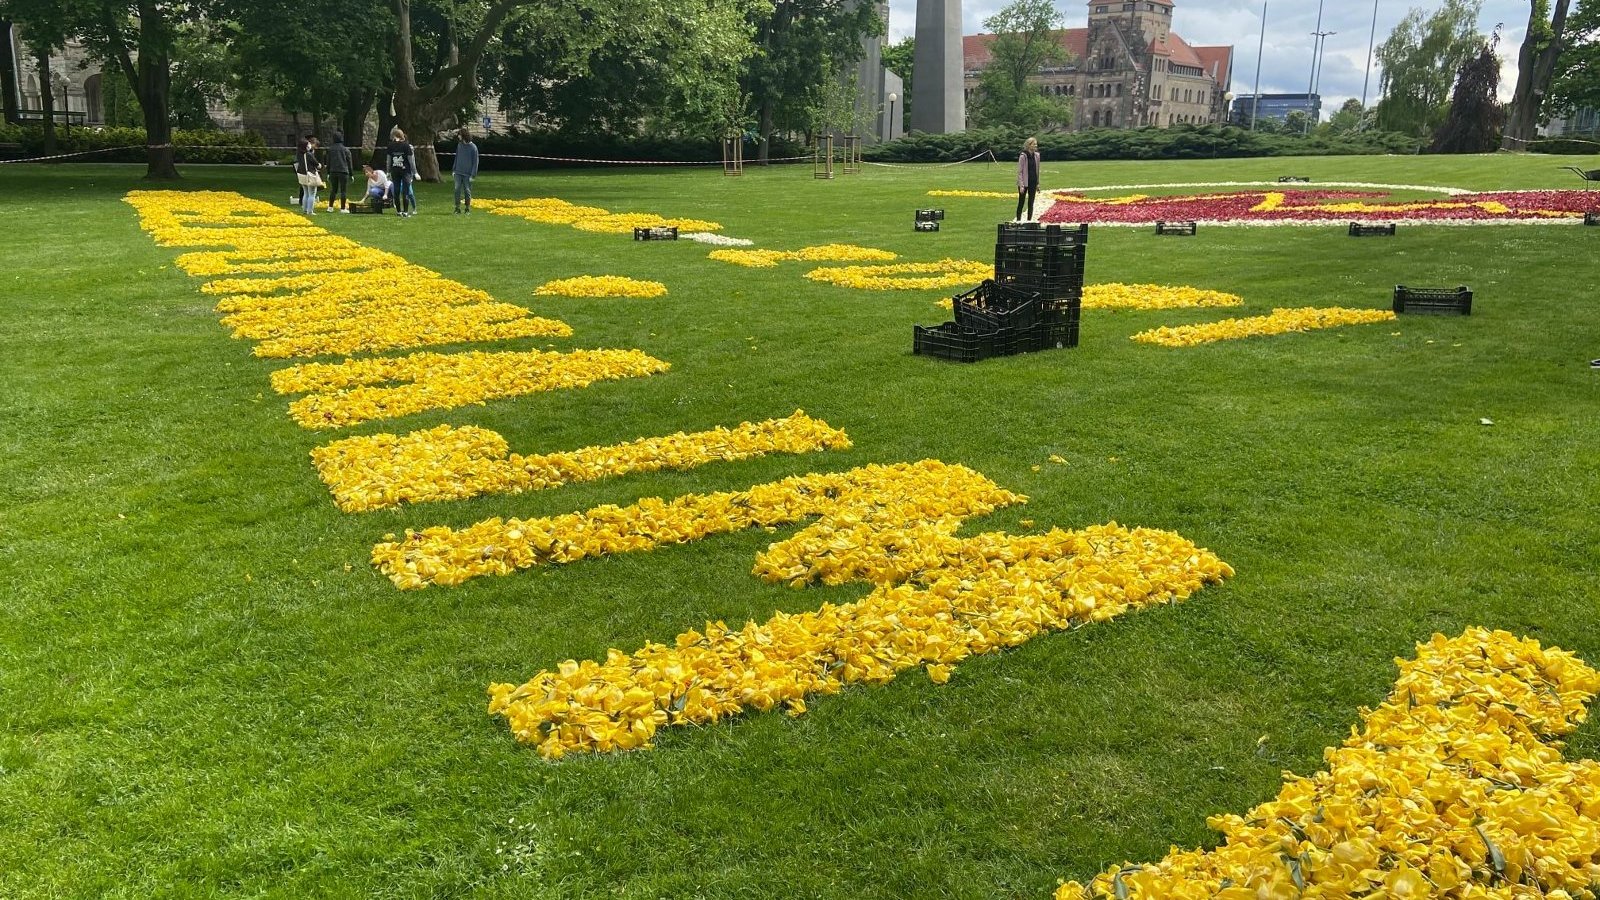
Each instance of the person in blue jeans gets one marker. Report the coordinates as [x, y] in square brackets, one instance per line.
[402, 165]
[465, 169]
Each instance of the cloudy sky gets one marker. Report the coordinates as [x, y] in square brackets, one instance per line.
[1286, 56]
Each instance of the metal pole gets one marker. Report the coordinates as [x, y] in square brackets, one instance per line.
[1371, 40]
[1312, 81]
[1255, 101]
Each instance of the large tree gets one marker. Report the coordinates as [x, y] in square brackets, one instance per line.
[800, 44]
[140, 39]
[10, 106]
[44, 28]
[1536, 67]
[1473, 125]
[1576, 84]
[1420, 59]
[1025, 42]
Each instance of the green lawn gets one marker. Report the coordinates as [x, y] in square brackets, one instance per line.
[206, 690]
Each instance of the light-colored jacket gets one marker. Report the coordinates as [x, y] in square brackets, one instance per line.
[1022, 168]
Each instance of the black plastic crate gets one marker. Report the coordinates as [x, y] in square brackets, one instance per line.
[1185, 229]
[1294, 179]
[1035, 233]
[1058, 336]
[656, 233]
[930, 215]
[951, 341]
[1055, 288]
[1359, 230]
[926, 226]
[992, 306]
[1591, 217]
[1039, 259]
[1455, 301]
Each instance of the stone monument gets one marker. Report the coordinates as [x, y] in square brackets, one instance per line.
[939, 105]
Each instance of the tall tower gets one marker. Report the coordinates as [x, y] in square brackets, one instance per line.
[939, 101]
[1153, 18]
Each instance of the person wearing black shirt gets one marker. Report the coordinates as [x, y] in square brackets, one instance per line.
[402, 164]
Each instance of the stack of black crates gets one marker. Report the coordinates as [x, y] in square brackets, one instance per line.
[1033, 302]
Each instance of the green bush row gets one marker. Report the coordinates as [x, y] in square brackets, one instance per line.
[128, 144]
[1179, 142]
[652, 149]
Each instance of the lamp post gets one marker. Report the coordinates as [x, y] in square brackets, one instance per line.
[1255, 101]
[1367, 79]
[1227, 106]
[890, 129]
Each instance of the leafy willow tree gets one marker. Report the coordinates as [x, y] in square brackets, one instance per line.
[1541, 52]
[1025, 42]
[798, 42]
[318, 57]
[1576, 84]
[1419, 60]
[1476, 115]
[667, 70]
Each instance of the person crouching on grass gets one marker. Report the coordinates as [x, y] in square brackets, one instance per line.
[1027, 177]
[377, 188]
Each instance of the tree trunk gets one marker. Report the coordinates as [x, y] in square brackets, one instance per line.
[155, 93]
[385, 123]
[1535, 68]
[764, 155]
[47, 101]
[353, 122]
[9, 101]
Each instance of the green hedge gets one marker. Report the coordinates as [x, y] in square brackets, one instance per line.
[1567, 146]
[550, 144]
[208, 146]
[1180, 142]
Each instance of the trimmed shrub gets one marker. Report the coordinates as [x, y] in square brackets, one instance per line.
[128, 144]
[1180, 142]
[652, 149]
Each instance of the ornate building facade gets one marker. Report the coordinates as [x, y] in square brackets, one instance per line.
[1128, 69]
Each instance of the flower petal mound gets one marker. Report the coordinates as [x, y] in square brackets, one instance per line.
[555, 211]
[854, 507]
[996, 195]
[445, 463]
[319, 293]
[601, 286]
[1322, 207]
[354, 390]
[1281, 321]
[766, 259]
[945, 273]
[1454, 788]
[963, 597]
[1154, 296]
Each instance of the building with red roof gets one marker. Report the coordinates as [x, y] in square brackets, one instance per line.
[1128, 69]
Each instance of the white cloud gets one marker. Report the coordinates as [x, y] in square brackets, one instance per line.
[1286, 56]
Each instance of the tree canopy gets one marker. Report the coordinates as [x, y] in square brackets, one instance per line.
[1420, 60]
[1025, 42]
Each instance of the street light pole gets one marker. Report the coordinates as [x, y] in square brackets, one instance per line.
[892, 98]
[1367, 79]
[1317, 40]
[1255, 101]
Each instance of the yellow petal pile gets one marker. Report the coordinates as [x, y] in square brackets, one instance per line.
[1154, 296]
[854, 506]
[601, 286]
[998, 195]
[319, 293]
[963, 597]
[945, 273]
[356, 390]
[1281, 321]
[555, 211]
[446, 463]
[766, 259]
[1455, 788]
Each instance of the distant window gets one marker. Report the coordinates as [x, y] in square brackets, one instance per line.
[1119, 89]
[1127, 7]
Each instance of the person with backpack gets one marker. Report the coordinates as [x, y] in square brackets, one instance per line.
[401, 158]
[338, 172]
[308, 170]
[465, 169]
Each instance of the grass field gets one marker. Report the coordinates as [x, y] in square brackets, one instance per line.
[206, 690]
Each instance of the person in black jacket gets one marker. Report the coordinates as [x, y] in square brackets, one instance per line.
[402, 164]
[338, 172]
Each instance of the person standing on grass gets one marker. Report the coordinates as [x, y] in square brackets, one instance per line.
[402, 161]
[465, 169]
[338, 172]
[1027, 177]
[300, 171]
[311, 176]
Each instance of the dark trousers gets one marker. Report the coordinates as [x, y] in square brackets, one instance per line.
[338, 183]
[400, 190]
[1025, 196]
